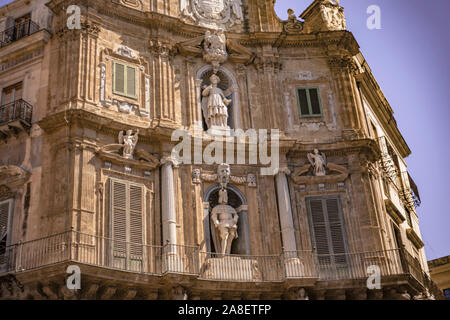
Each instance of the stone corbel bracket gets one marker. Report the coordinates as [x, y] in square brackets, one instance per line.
[338, 174]
[13, 176]
[198, 177]
[143, 159]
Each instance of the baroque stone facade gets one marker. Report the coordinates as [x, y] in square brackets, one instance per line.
[89, 176]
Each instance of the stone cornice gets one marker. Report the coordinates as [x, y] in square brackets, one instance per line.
[381, 107]
[414, 238]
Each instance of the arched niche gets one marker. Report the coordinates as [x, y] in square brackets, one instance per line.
[237, 200]
[229, 85]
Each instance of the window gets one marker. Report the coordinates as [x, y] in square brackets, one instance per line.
[5, 219]
[126, 224]
[408, 218]
[327, 232]
[125, 80]
[309, 102]
[447, 293]
[12, 93]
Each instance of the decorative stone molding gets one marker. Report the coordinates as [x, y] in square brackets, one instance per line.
[199, 177]
[13, 176]
[335, 173]
[292, 25]
[414, 238]
[126, 52]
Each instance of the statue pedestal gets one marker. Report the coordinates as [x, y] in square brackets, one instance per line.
[231, 269]
[219, 131]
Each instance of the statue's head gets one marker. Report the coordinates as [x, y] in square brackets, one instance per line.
[129, 132]
[214, 79]
[316, 151]
[224, 172]
[290, 11]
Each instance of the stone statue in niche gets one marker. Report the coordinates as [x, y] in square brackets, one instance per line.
[215, 105]
[225, 219]
[318, 161]
[129, 141]
[293, 25]
[223, 216]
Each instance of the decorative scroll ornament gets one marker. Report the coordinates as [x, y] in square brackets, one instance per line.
[223, 177]
[213, 14]
[292, 25]
[215, 48]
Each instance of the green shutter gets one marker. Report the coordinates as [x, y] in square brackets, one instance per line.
[119, 78]
[309, 102]
[328, 233]
[127, 209]
[131, 81]
[125, 80]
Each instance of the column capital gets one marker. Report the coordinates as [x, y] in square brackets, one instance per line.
[169, 159]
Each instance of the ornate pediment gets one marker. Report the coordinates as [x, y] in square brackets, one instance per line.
[334, 173]
[236, 52]
[124, 152]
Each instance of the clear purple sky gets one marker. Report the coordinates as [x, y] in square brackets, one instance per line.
[410, 57]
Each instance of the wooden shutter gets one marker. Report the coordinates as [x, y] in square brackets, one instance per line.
[303, 102]
[127, 209]
[315, 102]
[4, 223]
[119, 78]
[131, 81]
[119, 223]
[328, 231]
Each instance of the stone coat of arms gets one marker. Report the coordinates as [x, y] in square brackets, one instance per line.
[213, 13]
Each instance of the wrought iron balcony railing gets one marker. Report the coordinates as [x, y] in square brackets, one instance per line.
[16, 114]
[76, 247]
[17, 32]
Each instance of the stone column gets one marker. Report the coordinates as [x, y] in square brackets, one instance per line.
[285, 211]
[168, 205]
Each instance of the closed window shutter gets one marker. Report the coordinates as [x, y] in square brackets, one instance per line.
[127, 206]
[131, 81]
[336, 230]
[136, 220]
[119, 78]
[328, 232]
[119, 223]
[303, 100]
[315, 104]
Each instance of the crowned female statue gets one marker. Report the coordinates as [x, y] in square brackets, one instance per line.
[215, 104]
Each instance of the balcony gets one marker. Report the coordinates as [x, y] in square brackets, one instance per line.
[75, 247]
[15, 117]
[18, 32]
